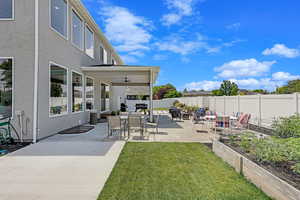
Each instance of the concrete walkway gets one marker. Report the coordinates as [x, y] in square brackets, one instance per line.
[62, 167]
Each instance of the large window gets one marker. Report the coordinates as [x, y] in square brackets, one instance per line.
[6, 9]
[89, 93]
[77, 92]
[104, 97]
[59, 16]
[58, 90]
[77, 30]
[89, 42]
[6, 82]
[103, 55]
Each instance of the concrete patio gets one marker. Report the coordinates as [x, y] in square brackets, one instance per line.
[77, 166]
[60, 167]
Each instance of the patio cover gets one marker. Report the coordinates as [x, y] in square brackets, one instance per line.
[125, 75]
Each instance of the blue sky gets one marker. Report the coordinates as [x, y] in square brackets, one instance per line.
[199, 43]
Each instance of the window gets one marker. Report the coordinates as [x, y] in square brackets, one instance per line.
[77, 30]
[58, 90]
[103, 55]
[6, 87]
[89, 42]
[113, 62]
[104, 97]
[6, 9]
[77, 92]
[59, 16]
[89, 93]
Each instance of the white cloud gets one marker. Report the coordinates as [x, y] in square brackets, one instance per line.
[128, 32]
[284, 76]
[203, 85]
[243, 68]
[180, 9]
[179, 46]
[282, 50]
[129, 59]
[235, 26]
[159, 57]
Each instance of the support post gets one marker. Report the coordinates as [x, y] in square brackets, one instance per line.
[151, 95]
[259, 110]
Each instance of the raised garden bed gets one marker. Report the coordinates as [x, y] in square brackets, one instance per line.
[276, 181]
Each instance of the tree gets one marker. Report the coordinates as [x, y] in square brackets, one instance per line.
[216, 93]
[292, 87]
[228, 88]
[165, 91]
[172, 94]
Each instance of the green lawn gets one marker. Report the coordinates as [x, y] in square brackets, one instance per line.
[175, 171]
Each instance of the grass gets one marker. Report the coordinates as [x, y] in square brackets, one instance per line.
[161, 109]
[175, 171]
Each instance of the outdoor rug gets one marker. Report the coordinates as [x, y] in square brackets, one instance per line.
[77, 130]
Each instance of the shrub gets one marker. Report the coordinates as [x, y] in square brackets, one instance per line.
[287, 127]
[296, 168]
[268, 150]
[175, 103]
[246, 141]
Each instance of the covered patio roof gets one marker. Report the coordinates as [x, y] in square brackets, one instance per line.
[123, 75]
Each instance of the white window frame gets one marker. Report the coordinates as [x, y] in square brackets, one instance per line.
[94, 85]
[50, 21]
[107, 84]
[83, 29]
[13, 85]
[87, 27]
[13, 13]
[83, 91]
[49, 95]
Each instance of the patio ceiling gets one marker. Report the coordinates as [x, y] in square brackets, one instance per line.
[123, 75]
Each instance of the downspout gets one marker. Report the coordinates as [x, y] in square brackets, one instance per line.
[36, 70]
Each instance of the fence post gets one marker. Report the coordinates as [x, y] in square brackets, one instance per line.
[259, 110]
[215, 107]
[224, 105]
[297, 103]
[239, 105]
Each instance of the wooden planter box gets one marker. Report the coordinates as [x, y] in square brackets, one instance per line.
[263, 179]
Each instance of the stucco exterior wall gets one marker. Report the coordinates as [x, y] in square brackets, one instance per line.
[55, 48]
[17, 41]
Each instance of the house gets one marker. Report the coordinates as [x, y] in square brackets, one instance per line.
[57, 66]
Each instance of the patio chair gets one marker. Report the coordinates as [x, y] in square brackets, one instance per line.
[154, 124]
[198, 115]
[222, 122]
[242, 122]
[135, 123]
[114, 125]
[176, 114]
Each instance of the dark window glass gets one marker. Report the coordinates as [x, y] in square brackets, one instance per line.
[58, 90]
[6, 9]
[59, 16]
[89, 94]
[6, 91]
[77, 92]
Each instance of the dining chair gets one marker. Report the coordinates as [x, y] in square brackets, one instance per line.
[135, 123]
[114, 125]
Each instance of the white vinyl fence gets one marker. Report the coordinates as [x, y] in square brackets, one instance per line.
[263, 108]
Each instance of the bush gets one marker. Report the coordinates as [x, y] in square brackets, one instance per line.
[175, 103]
[268, 150]
[246, 141]
[287, 127]
[296, 168]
